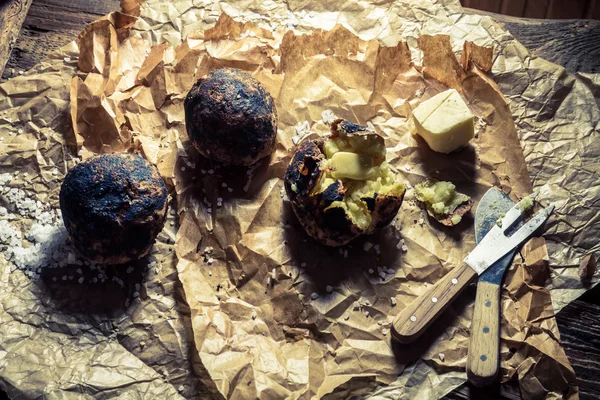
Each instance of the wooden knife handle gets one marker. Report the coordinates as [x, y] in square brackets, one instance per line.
[484, 345]
[411, 322]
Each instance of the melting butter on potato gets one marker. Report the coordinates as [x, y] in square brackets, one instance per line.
[444, 122]
[351, 166]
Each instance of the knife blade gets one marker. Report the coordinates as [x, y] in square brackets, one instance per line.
[484, 343]
[411, 322]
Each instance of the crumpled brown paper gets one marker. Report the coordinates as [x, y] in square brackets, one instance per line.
[293, 345]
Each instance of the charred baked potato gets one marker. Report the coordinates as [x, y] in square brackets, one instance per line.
[340, 185]
[231, 118]
[113, 206]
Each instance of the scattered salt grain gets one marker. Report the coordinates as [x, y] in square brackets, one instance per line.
[346, 317]
[345, 253]
[384, 332]
[367, 246]
[67, 59]
[182, 168]
[54, 172]
[203, 171]
[441, 356]
[303, 265]
[383, 275]
[20, 131]
[329, 288]
[328, 117]
[314, 296]
[211, 171]
[404, 248]
[136, 294]
[371, 271]
[80, 280]
[254, 315]
[393, 300]
[367, 314]
[230, 190]
[356, 305]
[391, 271]
[223, 185]
[129, 269]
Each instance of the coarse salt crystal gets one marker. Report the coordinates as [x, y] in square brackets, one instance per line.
[211, 171]
[356, 305]
[367, 246]
[314, 296]
[329, 288]
[254, 315]
[393, 300]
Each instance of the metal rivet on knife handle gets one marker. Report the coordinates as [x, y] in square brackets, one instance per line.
[412, 321]
[484, 343]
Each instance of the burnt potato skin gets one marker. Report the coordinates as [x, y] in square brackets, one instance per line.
[113, 206]
[331, 227]
[231, 118]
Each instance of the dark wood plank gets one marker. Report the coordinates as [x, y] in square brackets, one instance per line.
[12, 15]
[51, 24]
[563, 9]
[515, 8]
[574, 44]
[536, 8]
[484, 5]
[593, 9]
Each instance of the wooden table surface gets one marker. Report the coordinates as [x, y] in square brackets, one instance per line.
[574, 44]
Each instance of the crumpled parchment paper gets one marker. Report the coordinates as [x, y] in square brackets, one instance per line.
[255, 333]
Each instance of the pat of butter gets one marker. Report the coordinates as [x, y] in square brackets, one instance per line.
[351, 166]
[444, 122]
